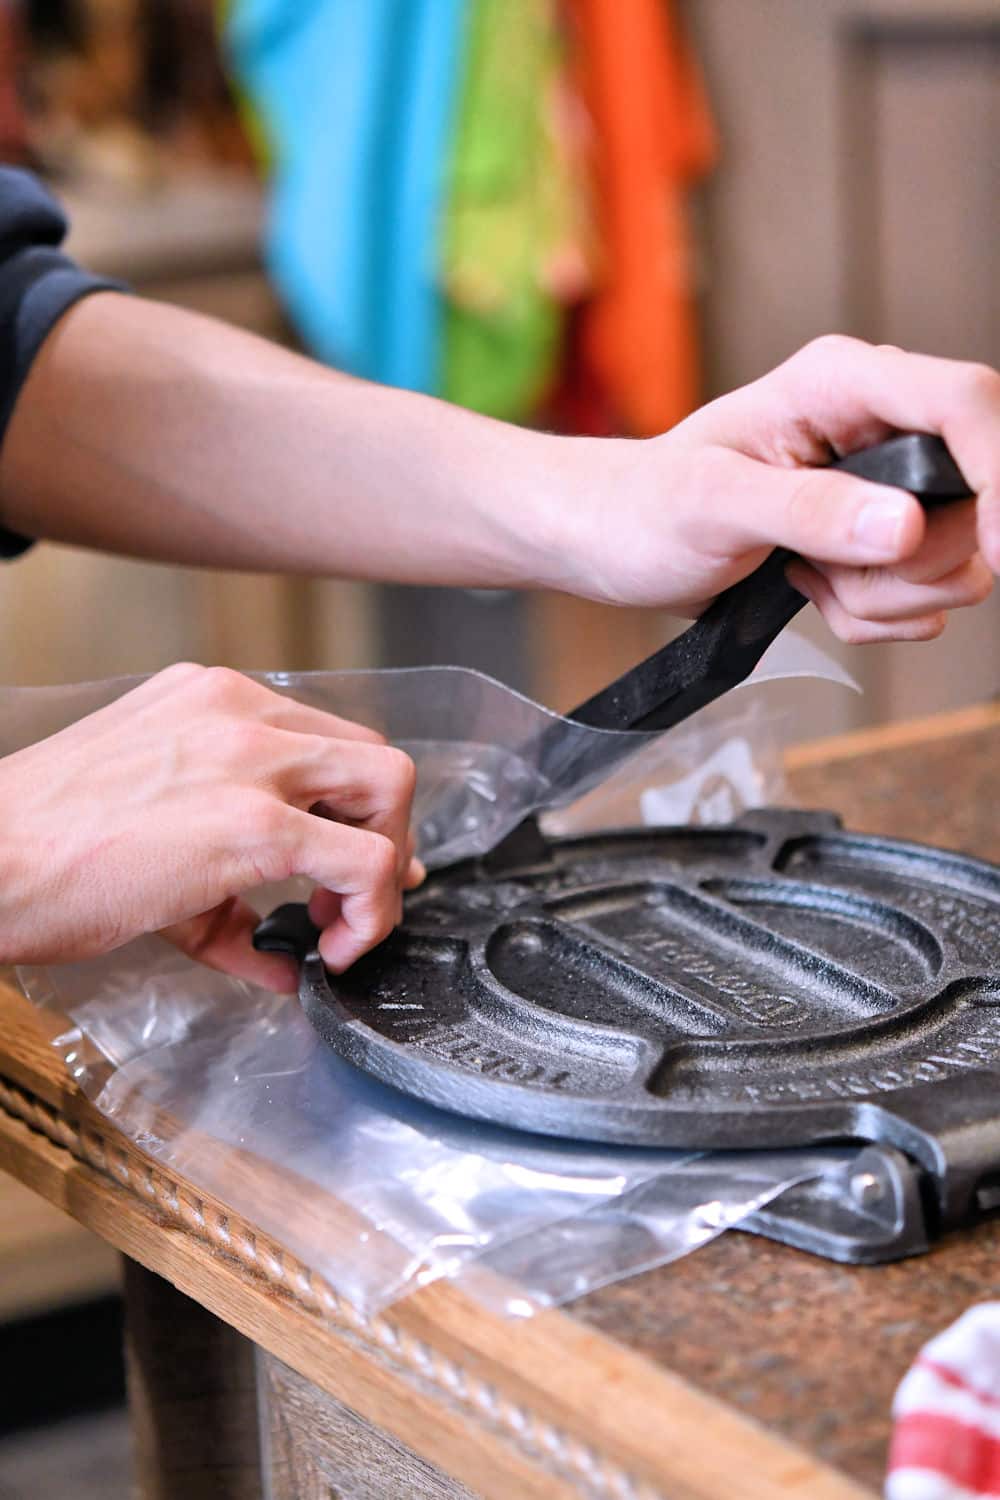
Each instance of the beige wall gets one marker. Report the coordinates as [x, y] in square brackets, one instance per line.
[859, 192]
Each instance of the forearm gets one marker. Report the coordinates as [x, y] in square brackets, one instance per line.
[146, 430]
[150, 431]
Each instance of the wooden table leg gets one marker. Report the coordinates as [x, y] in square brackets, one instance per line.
[211, 1421]
[192, 1396]
[315, 1448]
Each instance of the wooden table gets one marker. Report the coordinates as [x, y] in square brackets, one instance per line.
[746, 1370]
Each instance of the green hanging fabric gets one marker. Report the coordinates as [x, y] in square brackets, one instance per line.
[512, 237]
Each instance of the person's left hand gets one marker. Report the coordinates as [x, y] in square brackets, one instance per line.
[165, 808]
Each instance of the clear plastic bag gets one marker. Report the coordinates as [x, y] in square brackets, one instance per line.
[486, 756]
[228, 1085]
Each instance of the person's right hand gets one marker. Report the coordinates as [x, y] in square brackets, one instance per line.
[161, 810]
[674, 520]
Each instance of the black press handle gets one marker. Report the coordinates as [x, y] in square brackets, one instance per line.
[288, 929]
[724, 645]
[718, 651]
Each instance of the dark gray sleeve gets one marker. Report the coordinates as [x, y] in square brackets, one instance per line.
[38, 282]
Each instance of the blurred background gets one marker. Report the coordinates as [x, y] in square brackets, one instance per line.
[586, 214]
[570, 212]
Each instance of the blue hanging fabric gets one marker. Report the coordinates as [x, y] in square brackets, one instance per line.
[356, 104]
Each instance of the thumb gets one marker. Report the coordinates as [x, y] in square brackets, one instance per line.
[829, 516]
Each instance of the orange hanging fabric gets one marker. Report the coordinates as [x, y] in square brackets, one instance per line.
[653, 138]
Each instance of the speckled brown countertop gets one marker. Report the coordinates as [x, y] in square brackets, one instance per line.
[811, 1348]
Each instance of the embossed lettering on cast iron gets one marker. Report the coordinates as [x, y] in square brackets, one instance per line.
[762, 984]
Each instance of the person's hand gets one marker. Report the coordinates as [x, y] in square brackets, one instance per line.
[161, 810]
[674, 520]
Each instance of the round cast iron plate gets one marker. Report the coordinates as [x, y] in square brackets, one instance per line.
[773, 983]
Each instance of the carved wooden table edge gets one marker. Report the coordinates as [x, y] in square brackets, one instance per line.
[541, 1407]
[545, 1407]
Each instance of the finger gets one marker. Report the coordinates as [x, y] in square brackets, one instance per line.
[223, 939]
[415, 871]
[325, 906]
[878, 594]
[818, 513]
[226, 690]
[303, 718]
[856, 631]
[378, 795]
[368, 786]
[839, 385]
[949, 540]
[360, 867]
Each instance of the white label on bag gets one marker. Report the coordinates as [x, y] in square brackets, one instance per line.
[716, 792]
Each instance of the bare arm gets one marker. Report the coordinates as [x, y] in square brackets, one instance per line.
[147, 430]
[156, 432]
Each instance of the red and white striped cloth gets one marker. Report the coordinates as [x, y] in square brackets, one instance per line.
[946, 1432]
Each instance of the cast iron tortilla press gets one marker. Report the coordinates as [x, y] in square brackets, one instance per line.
[774, 983]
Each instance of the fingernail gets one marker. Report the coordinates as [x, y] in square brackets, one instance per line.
[879, 525]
